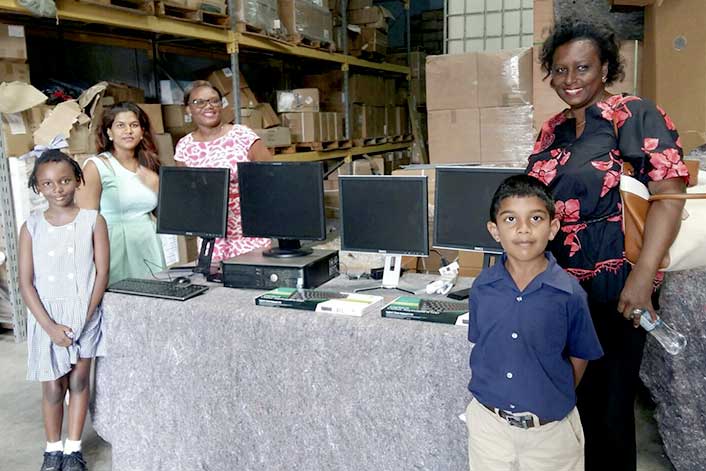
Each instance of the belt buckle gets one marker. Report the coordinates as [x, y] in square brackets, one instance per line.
[523, 421]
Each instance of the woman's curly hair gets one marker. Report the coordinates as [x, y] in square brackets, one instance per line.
[603, 36]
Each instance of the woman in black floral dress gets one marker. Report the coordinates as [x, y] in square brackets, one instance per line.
[580, 157]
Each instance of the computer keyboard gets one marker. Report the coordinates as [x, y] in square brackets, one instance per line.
[156, 289]
[437, 305]
[316, 294]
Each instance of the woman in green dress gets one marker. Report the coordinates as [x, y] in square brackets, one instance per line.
[122, 183]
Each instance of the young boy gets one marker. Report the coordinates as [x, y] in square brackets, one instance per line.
[532, 336]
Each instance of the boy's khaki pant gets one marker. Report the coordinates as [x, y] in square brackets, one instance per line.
[495, 445]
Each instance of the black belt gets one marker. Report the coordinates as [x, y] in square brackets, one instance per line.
[521, 421]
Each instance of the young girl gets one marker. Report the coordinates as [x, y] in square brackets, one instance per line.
[64, 262]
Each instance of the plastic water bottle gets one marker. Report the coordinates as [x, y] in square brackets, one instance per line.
[672, 341]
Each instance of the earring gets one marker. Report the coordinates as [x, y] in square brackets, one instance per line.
[604, 79]
[110, 138]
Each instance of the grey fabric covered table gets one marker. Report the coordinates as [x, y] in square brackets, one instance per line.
[217, 383]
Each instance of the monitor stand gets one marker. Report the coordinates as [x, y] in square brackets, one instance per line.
[390, 275]
[203, 265]
[287, 248]
[489, 259]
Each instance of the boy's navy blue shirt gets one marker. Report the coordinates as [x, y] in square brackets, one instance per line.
[523, 340]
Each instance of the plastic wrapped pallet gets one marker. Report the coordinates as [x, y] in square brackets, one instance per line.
[305, 20]
[259, 14]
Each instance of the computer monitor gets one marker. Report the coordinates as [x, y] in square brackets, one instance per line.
[285, 201]
[194, 202]
[461, 209]
[387, 215]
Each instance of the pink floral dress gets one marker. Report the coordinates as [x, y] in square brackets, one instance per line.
[224, 152]
[584, 176]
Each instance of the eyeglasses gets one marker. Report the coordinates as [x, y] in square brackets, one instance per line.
[201, 103]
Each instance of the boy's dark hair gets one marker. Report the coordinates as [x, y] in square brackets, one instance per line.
[602, 35]
[522, 186]
[53, 155]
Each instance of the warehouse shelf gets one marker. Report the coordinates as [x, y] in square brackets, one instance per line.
[71, 10]
[340, 153]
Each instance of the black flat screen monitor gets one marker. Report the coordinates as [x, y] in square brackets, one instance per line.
[384, 214]
[194, 202]
[462, 207]
[285, 201]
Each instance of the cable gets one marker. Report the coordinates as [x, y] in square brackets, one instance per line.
[444, 262]
[148, 263]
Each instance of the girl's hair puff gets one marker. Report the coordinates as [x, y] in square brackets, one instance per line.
[146, 150]
[53, 155]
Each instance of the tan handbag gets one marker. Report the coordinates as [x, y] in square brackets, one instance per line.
[689, 247]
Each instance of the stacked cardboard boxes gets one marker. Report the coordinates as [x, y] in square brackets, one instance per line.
[306, 20]
[479, 107]
[369, 34]
[258, 14]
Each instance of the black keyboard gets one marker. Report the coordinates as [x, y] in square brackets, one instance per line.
[316, 294]
[436, 305]
[156, 289]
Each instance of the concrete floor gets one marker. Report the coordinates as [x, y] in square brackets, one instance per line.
[23, 430]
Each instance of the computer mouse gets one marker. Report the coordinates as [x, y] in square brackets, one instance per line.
[181, 281]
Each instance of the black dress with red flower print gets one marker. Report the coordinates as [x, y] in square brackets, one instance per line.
[584, 175]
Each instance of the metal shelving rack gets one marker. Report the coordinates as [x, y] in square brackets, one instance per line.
[232, 42]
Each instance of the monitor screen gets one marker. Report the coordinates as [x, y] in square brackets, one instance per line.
[462, 206]
[282, 200]
[193, 201]
[384, 214]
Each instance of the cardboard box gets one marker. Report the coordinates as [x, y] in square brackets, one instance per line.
[675, 65]
[228, 109]
[251, 118]
[470, 263]
[506, 134]
[261, 14]
[175, 116]
[454, 136]
[12, 42]
[178, 133]
[305, 126]
[303, 19]
[222, 80]
[370, 40]
[367, 89]
[11, 71]
[371, 17]
[279, 136]
[154, 113]
[58, 121]
[479, 79]
[269, 117]
[82, 139]
[17, 129]
[165, 149]
[298, 100]
[123, 92]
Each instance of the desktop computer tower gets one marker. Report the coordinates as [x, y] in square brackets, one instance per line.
[255, 271]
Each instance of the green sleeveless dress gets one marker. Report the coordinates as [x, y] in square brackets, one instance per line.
[126, 204]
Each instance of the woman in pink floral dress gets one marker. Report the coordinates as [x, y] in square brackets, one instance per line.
[580, 157]
[216, 144]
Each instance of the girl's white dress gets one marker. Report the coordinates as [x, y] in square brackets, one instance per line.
[64, 275]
